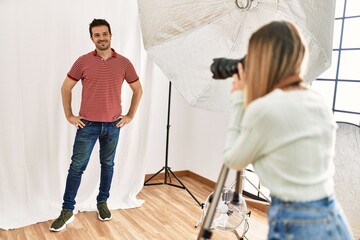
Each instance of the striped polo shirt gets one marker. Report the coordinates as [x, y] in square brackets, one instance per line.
[102, 82]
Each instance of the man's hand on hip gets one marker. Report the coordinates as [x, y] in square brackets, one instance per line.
[76, 121]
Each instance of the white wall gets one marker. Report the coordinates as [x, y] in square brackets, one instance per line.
[347, 174]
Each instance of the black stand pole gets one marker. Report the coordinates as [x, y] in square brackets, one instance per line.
[166, 168]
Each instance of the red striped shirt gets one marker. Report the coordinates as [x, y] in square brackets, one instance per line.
[102, 82]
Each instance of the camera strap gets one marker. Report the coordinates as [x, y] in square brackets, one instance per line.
[293, 80]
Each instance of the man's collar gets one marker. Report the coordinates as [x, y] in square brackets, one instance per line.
[113, 52]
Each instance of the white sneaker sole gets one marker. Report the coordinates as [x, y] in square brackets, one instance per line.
[104, 219]
[63, 226]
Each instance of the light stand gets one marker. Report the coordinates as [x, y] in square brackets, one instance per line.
[166, 168]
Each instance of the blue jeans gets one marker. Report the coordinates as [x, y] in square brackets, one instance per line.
[108, 135]
[321, 219]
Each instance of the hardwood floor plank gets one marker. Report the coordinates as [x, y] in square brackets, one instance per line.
[168, 213]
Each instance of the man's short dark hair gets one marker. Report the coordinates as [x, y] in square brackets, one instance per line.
[98, 22]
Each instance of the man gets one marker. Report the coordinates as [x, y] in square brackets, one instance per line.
[102, 73]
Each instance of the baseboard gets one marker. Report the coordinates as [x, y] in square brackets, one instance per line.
[160, 176]
[183, 173]
[261, 205]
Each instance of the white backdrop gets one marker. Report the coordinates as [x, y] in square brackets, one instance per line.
[39, 42]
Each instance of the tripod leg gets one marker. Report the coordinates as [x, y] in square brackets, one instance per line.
[205, 232]
[183, 186]
[146, 182]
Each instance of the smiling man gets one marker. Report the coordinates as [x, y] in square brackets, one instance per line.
[102, 73]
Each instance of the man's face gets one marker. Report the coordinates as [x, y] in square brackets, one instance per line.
[101, 37]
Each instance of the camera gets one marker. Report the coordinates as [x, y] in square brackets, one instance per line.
[223, 68]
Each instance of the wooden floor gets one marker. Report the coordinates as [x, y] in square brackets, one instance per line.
[168, 213]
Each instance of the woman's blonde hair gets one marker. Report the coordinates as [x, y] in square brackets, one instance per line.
[275, 53]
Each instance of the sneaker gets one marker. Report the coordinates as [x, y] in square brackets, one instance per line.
[59, 224]
[104, 213]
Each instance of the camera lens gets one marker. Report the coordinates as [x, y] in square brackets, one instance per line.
[223, 68]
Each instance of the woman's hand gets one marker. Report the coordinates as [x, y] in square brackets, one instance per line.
[238, 82]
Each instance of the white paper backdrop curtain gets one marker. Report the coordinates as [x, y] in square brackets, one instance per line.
[39, 42]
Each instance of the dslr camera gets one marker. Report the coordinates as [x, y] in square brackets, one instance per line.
[223, 68]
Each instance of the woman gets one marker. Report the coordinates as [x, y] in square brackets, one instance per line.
[287, 132]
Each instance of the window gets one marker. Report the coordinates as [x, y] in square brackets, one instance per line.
[340, 84]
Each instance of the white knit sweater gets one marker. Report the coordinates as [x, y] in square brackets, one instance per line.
[289, 137]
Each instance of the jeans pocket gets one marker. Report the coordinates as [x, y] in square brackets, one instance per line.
[116, 122]
[317, 229]
[86, 122]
